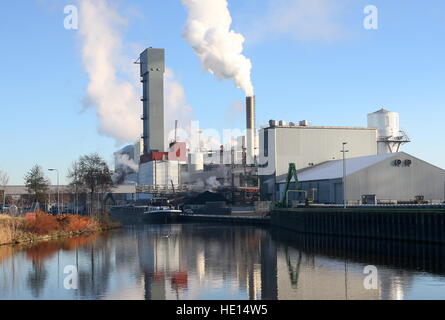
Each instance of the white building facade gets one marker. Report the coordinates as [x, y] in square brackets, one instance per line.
[306, 146]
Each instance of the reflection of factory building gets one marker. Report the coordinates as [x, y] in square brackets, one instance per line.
[160, 263]
[185, 262]
[308, 277]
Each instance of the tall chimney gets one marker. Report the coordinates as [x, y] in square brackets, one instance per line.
[250, 129]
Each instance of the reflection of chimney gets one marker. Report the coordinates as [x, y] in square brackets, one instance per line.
[250, 126]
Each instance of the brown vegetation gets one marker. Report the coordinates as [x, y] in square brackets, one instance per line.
[9, 228]
[39, 225]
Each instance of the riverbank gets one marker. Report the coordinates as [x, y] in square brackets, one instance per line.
[35, 227]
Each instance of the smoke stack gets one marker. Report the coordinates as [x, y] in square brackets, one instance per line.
[250, 129]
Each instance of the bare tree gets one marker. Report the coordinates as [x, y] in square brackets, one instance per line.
[92, 173]
[76, 184]
[4, 180]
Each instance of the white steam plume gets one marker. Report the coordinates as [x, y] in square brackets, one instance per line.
[125, 161]
[213, 183]
[115, 98]
[219, 48]
[176, 108]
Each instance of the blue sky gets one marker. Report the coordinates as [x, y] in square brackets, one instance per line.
[318, 64]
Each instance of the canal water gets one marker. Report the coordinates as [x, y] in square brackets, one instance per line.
[203, 261]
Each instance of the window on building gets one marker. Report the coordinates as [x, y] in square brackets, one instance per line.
[266, 143]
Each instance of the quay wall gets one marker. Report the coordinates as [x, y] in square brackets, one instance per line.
[135, 215]
[128, 215]
[424, 225]
[225, 219]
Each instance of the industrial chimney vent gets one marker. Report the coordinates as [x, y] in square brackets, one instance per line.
[273, 123]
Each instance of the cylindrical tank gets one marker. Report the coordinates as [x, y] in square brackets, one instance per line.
[387, 123]
[196, 162]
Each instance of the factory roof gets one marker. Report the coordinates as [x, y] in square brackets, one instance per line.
[334, 169]
[319, 127]
[381, 111]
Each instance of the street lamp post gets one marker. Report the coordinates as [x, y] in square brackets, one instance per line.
[344, 173]
[58, 191]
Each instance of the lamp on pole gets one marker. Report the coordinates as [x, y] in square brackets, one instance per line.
[58, 192]
[344, 151]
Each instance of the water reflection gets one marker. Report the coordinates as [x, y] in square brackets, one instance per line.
[199, 261]
[324, 267]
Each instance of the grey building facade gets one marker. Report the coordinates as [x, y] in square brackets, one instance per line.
[389, 178]
[306, 146]
[152, 63]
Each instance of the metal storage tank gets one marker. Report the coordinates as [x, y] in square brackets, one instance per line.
[196, 162]
[390, 136]
[387, 123]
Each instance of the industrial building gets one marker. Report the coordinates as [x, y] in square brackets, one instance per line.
[156, 166]
[318, 155]
[259, 163]
[306, 146]
[392, 178]
[179, 166]
[152, 69]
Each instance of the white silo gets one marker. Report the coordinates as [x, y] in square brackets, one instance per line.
[390, 136]
[196, 162]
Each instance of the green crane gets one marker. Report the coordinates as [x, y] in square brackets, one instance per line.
[292, 173]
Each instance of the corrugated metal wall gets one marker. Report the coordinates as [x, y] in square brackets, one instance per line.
[307, 145]
[390, 182]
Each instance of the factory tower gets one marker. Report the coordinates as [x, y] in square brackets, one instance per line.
[152, 63]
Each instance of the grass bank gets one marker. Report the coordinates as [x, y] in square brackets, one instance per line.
[40, 226]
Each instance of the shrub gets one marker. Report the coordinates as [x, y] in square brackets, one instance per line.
[78, 223]
[41, 223]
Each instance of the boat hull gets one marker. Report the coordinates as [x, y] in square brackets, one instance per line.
[162, 216]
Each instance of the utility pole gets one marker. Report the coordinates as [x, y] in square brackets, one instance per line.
[344, 173]
[58, 190]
